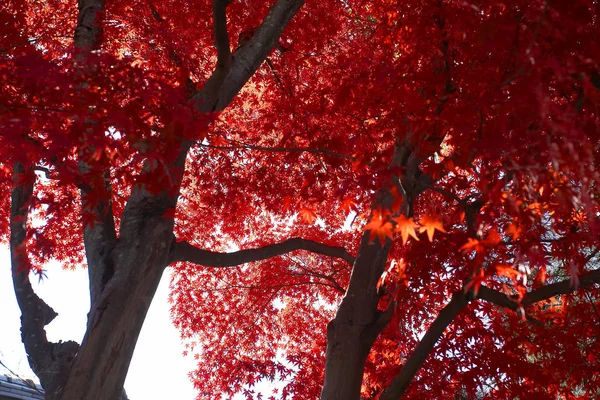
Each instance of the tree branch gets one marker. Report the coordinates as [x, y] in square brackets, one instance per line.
[49, 361]
[399, 384]
[279, 150]
[88, 32]
[184, 251]
[99, 234]
[310, 272]
[225, 83]
[221, 36]
[562, 287]
[500, 299]
[540, 294]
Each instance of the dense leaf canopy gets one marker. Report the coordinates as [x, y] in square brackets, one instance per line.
[466, 132]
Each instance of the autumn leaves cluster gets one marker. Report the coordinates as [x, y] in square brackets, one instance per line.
[383, 224]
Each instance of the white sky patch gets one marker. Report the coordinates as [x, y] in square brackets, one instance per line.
[279, 304]
[113, 133]
[349, 220]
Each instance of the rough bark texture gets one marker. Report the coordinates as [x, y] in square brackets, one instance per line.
[101, 366]
[229, 76]
[357, 323]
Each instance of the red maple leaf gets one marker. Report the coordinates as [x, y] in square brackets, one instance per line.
[430, 224]
[307, 215]
[406, 227]
[379, 226]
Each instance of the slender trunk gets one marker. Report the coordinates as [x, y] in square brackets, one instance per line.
[357, 323]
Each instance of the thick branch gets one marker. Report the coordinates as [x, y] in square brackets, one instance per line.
[563, 287]
[224, 84]
[99, 236]
[49, 361]
[399, 384]
[494, 296]
[221, 36]
[19, 210]
[497, 298]
[183, 251]
[88, 32]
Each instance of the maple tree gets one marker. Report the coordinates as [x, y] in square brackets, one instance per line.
[365, 198]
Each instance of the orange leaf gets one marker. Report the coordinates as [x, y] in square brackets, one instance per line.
[218, 141]
[348, 205]
[406, 227]
[508, 271]
[475, 282]
[536, 208]
[472, 244]
[307, 215]
[430, 224]
[540, 278]
[287, 202]
[397, 199]
[514, 231]
[400, 268]
[380, 226]
[492, 239]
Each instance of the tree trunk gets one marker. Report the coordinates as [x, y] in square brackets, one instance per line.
[357, 323]
[99, 370]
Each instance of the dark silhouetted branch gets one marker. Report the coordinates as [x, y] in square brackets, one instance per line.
[399, 384]
[183, 251]
[50, 361]
[224, 84]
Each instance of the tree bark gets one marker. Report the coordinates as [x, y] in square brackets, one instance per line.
[357, 323]
[50, 361]
[100, 368]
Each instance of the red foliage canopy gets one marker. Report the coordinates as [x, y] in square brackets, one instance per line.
[472, 126]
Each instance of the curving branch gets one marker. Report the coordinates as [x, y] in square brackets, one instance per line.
[50, 361]
[184, 251]
[227, 80]
[562, 287]
[540, 294]
[399, 384]
[500, 299]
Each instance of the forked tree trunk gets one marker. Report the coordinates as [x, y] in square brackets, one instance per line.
[99, 370]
